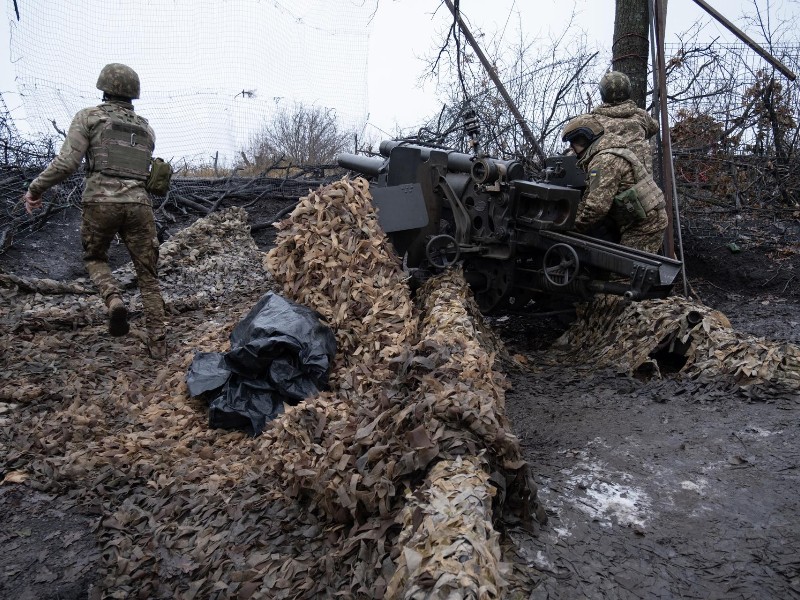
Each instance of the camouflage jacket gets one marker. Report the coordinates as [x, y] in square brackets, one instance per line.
[631, 125]
[608, 175]
[83, 135]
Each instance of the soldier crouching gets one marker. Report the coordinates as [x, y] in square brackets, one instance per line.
[621, 195]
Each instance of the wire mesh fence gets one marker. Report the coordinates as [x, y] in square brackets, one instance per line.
[726, 104]
[213, 74]
[735, 127]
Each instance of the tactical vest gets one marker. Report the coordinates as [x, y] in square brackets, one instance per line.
[126, 145]
[639, 201]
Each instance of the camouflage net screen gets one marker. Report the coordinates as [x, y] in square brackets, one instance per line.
[383, 486]
[211, 72]
[686, 336]
[387, 485]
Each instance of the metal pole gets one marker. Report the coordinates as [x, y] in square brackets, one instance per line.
[657, 92]
[656, 95]
[666, 163]
[500, 87]
[744, 37]
[680, 237]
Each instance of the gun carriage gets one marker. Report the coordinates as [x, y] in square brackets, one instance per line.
[512, 235]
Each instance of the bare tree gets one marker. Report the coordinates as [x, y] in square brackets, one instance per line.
[736, 121]
[549, 80]
[301, 134]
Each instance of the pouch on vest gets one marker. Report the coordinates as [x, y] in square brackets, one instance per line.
[159, 178]
[626, 208]
[633, 205]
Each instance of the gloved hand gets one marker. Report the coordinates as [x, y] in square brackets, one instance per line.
[32, 202]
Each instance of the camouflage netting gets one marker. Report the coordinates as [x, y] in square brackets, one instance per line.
[316, 506]
[396, 410]
[448, 543]
[633, 337]
[332, 255]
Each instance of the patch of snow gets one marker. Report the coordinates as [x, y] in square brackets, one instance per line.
[562, 533]
[754, 431]
[628, 504]
[591, 489]
[695, 486]
[542, 562]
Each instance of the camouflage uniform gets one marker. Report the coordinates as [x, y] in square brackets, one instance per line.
[621, 201]
[610, 175]
[112, 205]
[631, 125]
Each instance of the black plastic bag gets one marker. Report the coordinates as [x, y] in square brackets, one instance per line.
[280, 352]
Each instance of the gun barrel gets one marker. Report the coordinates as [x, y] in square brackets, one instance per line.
[362, 164]
[456, 161]
[460, 162]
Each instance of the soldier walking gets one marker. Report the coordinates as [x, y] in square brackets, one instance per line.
[118, 145]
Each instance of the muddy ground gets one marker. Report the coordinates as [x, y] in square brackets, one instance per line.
[654, 489]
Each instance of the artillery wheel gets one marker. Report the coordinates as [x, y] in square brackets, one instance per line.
[561, 264]
[442, 251]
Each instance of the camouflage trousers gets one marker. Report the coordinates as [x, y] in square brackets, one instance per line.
[647, 235]
[136, 227]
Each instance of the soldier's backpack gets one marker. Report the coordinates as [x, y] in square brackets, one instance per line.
[160, 176]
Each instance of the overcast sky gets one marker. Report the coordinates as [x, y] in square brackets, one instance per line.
[403, 32]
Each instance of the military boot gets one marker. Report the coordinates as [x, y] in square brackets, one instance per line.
[157, 345]
[117, 316]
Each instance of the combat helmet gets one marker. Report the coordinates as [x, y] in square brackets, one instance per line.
[615, 87]
[119, 80]
[582, 125]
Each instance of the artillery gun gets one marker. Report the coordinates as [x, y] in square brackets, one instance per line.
[512, 235]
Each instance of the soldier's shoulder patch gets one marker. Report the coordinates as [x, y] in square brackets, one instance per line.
[594, 173]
